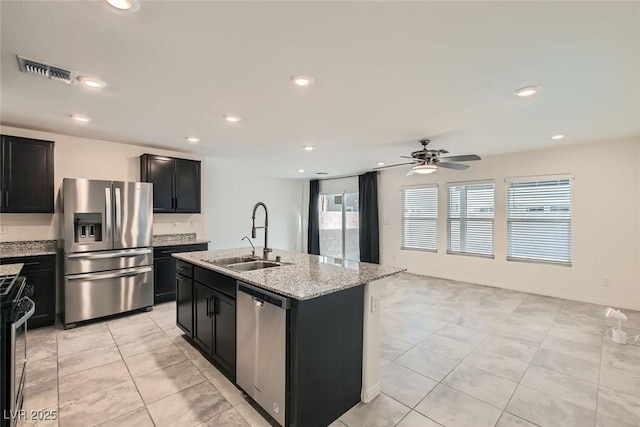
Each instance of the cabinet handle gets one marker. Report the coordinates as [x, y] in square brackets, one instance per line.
[31, 263]
[6, 198]
[183, 268]
[214, 311]
[208, 306]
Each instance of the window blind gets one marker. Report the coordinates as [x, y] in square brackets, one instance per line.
[470, 216]
[419, 218]
[539, 221]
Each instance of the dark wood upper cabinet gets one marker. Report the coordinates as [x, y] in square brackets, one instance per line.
[176, 183]
[26, 180]
[187, 186]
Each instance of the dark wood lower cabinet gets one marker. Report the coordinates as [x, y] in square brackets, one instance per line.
[40, 272]
[164, 270]
[184, 304]
[224, 331]
[203, 327]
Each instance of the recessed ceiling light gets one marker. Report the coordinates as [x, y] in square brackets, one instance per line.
[91, 82]
[125, 5]
[308, 148]
[300, 170]
[301, 80]
[523, 92]
[231, 118]
[380, 163]
[558, 136]
[193, 139]
[81, 118]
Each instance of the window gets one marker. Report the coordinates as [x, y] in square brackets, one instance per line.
[470, 219]
[419, 218]
[339, 226]
[539, 221]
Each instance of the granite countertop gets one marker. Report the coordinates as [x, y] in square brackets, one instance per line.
[10, 269]
[160, 240]
[28, 248]
[307, 277]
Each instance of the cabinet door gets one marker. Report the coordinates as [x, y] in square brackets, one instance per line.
[225, 331]
[203, 321]
[164, 280]
[27, 175]
[44, 295]
[184, 304]
[187, 186]
[160, 172]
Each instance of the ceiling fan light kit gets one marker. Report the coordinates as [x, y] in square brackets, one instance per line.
[428, 161]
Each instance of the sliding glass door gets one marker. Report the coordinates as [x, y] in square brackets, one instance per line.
[339, 226]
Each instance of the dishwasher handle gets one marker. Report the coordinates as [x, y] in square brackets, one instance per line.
[260, 296]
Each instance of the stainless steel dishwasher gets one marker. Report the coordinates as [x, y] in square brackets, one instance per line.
[261, 347]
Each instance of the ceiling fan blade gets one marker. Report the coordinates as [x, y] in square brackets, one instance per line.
[406, 157]
[412, 171]
[465, 158]
[456, 166]
[393, 166]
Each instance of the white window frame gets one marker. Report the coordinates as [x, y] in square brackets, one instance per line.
[405, 220]
[510, 182]
[464, 219]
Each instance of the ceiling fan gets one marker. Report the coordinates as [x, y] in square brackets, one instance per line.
[428, 161]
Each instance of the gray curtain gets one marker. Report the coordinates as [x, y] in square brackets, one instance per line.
[369, 227]
[313, 233]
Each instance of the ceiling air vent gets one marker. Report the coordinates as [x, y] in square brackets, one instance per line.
[46, 70]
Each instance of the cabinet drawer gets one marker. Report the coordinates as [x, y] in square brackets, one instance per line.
[184, 268]
[217, 281]
[33, 263]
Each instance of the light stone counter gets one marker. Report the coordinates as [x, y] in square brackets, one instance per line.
[306, 277]
[27, 248]
[10, 269]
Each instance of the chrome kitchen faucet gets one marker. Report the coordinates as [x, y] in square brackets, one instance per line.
[266, 249]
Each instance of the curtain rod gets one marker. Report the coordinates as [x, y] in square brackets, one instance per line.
[341, 177]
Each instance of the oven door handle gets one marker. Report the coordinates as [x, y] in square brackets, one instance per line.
[28, 314]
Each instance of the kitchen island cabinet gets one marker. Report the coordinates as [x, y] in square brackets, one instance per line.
[332, 342]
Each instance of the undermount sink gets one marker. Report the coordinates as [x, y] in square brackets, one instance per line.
[253, 265]
[231, 260]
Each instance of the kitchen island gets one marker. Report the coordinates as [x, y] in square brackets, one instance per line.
[331, 334]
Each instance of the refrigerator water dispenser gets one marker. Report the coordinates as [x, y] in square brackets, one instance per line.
[87, 227]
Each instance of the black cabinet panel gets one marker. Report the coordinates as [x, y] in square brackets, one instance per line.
[184, 304]
[27, 175]
[203, 324]
[164, 274]
[165, 268]
[187, 186]
[160, 171]
[176, 183]
[40, 272]
[225, 331]
[44, 295]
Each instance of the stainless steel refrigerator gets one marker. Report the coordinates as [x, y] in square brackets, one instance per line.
[108, 258]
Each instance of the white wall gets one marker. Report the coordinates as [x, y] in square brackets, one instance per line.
[233, 191]
[606, 224]
[95, 159]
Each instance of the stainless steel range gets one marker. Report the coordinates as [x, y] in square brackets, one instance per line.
[108, 260]
[15, 309]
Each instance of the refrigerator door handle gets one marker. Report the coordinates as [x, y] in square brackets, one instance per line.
[108, 210]
[99, 276]
[120, 254]
[118, 215]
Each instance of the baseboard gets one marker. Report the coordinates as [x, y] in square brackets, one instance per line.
[612, 303]
[370, 394]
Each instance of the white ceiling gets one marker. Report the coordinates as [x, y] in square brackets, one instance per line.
[387, 73]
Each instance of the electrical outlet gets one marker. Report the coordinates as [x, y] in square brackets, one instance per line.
[4, 228]
[174, 225]
[607, 282]
[375, 303]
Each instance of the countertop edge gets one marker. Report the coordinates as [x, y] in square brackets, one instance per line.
[180, 243]
[27, 254]
[238, 276]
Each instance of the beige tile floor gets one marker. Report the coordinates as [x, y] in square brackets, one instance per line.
[453, 354]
